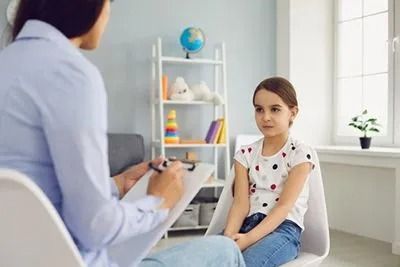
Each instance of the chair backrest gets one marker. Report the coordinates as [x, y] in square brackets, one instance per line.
[220, 216]
[124, 150]
[31, 231]
[315, 238]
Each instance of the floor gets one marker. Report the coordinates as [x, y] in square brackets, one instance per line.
[346, 250]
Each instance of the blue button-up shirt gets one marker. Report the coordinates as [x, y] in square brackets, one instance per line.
[53, 123]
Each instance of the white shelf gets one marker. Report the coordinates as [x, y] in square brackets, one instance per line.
[191, 60]
[157, 144]
[194, 145]
[196, 102]
[158, 106]
[214, 183]
[199, 227]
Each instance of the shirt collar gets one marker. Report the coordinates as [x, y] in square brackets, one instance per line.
[42, 30]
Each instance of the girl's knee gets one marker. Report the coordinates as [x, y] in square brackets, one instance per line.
[223, 242]
[228, 252]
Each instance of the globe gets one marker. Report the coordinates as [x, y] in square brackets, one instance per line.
[192, 40]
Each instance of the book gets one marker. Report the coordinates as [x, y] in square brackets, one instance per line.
[164, 87]
[210, 131]
[140, 245]
[215, 131]
[219, 130]
[222, 135]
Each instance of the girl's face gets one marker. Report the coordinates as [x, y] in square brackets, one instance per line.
[91, 40]
[272, 115]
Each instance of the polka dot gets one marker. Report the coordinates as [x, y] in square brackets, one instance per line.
[254, 185]
[283, 154]
[256, 198]
[273, 186]
[253, 190]
[257, 168]
[243, 151]
[293, 148]
[288, 164]
[308, 156]
[249, 149]
[313, 166]
[275, 166]
[265, 204]
[277, 199]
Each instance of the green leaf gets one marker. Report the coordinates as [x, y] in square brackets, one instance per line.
[365, 112]
[374, 130]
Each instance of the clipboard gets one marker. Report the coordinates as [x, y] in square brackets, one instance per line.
[141, 245]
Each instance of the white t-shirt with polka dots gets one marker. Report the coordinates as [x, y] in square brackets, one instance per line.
[268, 176]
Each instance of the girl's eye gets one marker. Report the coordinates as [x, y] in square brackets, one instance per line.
[258, 110]
[275, 110]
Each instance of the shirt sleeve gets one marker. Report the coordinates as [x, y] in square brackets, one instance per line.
[114, 188]
[75, 125]
[241, 157]
[302, 153]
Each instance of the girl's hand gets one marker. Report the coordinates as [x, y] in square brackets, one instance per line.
[242, 240]
[230, 235]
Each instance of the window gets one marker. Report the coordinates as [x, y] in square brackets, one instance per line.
[364, 66]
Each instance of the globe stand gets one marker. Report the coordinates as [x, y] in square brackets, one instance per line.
[187, 55]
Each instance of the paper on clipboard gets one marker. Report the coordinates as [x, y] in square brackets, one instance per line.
[192, 182]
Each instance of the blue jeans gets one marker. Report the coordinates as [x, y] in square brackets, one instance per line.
[218, 251]
[277, 248]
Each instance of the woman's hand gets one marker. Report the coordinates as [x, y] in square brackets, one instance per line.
[167, 185]
[127, 179]
[242, 240]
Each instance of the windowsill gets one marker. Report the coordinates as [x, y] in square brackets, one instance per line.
[386, 152]
[380, 157]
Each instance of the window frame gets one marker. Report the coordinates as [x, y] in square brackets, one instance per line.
[392, 138]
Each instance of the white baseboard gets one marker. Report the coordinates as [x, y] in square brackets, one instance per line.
[396, 248]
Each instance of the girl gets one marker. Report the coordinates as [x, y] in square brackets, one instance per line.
[271, 181]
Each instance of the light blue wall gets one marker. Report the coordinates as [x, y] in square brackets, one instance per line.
[247, 27]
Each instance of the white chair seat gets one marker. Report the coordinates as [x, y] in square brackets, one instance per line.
[305, 259]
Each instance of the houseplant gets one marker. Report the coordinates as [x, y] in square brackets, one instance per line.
[366, 125]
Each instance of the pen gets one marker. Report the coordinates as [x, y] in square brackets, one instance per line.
[165, 164]
[151, 166]
[184, 161]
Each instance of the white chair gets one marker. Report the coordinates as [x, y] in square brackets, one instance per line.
[31, 231]
[315, 238]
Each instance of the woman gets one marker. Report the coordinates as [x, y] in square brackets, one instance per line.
[53, 128]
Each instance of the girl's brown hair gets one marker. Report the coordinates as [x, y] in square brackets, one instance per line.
[280, 86]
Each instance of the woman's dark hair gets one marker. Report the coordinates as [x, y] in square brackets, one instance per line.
[280, 86]
[71, 17]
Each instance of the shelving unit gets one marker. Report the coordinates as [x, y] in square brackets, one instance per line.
[158, 105]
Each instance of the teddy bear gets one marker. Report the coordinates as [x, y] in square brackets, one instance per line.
[203, 93]
[180, 91]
